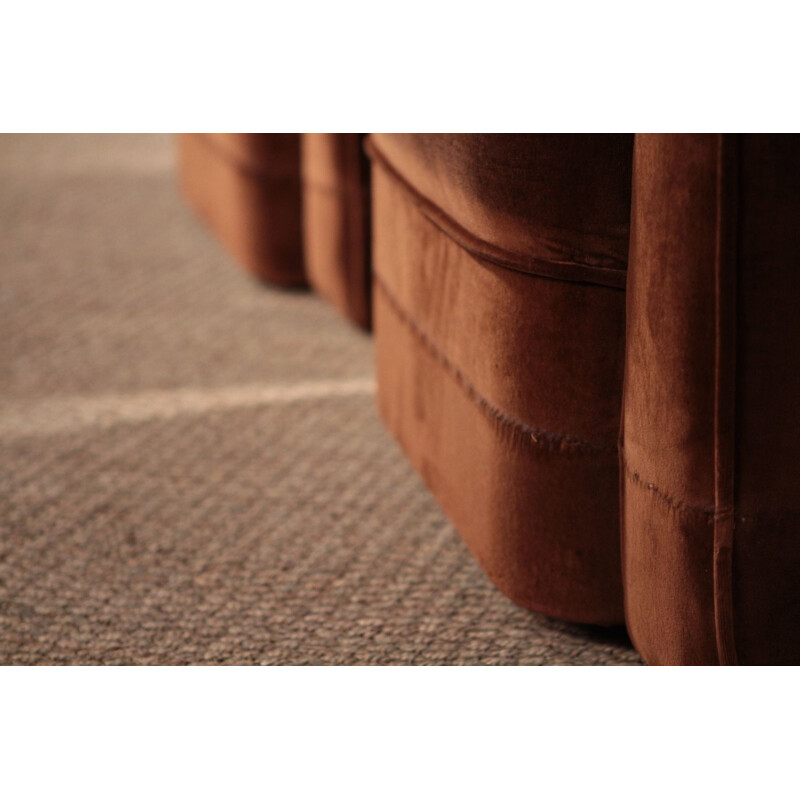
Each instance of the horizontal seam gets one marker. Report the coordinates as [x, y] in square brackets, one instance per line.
[537, 437]
[251, 168]
[680, 506]
[483, 251]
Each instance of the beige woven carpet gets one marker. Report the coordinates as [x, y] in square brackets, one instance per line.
[192, 467]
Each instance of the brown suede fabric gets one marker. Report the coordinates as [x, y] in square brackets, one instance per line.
[501, 375]
[246, 186]
[566, 362]
[710, 500]
[336, 221]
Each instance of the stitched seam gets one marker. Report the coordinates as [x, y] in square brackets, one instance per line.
[613, 277]
[537, 437]
[681, 506]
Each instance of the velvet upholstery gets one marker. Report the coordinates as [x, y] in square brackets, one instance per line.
[336, 221]
[711, 431]
[246, 186]
[586, 345]
[500, 345]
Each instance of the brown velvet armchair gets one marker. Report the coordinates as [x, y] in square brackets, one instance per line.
[587, 345]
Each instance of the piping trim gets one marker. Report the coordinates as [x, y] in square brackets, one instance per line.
[725, 279]
[486, 252]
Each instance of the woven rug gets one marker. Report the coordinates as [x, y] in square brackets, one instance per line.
[191, 464]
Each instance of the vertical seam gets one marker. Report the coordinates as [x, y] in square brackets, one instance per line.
[354, 200]
[629, 278]
[347, 211]
[725, 269]
[365, 184]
